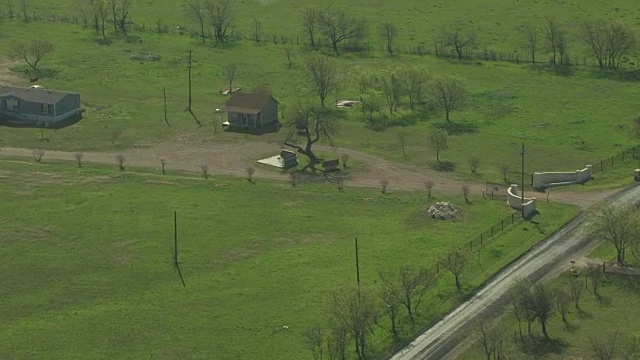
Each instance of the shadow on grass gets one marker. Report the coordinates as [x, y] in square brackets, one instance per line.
[458, 128]
[444, 166]
[541, 348]
[617, 74]
[627, 283]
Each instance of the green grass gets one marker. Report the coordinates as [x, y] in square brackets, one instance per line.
[617, 309]
[572, 120]
[88, 255]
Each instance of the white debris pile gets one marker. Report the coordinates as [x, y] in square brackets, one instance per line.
[442, 210]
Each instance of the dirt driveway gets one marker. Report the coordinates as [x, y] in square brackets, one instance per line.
[230, 158]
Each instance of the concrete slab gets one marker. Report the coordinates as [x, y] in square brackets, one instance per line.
[276, 161]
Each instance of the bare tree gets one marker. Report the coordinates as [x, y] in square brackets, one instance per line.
[308, 126]
[78, 157]
[230, 72]
[100, 12]
[345, 159]
[521, 298]
[556, 40]
[439, 141]
[250, 171]
[25, 9]
[221, 16]
[456, 260]
[32, 52]
[402, 139]
[323, 75]
[120, 159]
[339, 26]
[489, 338]
[504, 170]
[314, 337]
[414, 284]
[197, 11]
[594, 274]
[256, 27]
[449, 93]
[356, 310]
[371, 102]
[428, 184]
[163, 163]
[388, 32]
[594, 34]
[391, 298]
[465, 192]
[530, 41]
[474, 164]
[563, 298]
[392, 85]
[205, 170]
[621, 40]
[618, 225]
[384, 183]
[309, 20]
[416, 80]
[575, 286]
[38, 154]
[294, 178]
[337, 340]
[457, 37]
[120, 12]
[604, 347]
[540, 303]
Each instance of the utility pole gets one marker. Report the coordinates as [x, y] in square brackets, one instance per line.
[357, 265]
[175, 239]
[164, 95]
[522, 153]
[189, 66]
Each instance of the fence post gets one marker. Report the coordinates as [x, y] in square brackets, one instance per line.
[492, 231]
[480, 238]
[601, 166]
[470, 245]
[502, 224]
[612, 161]
[623, 151]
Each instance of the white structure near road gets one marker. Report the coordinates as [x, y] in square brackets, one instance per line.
[542, 180]
[515, 201]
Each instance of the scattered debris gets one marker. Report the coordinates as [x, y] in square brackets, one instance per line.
[442, 210]
[227, 91]
[347, 103]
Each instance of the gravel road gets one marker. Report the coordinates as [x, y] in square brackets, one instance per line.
[546, 260]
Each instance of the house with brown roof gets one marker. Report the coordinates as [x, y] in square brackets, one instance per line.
[251, 111]
[38, 106]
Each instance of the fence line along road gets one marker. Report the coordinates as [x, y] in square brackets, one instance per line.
[545, 260]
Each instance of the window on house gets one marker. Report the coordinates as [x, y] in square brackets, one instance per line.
[47, 108]
[13, 104]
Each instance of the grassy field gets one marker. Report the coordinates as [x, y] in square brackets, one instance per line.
[573, 119]
[616, 310]
[88, 258]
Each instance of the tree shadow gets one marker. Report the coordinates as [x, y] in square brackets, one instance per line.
[195, 117]
[458, 128]
[540, 348]
[627, 283]
[617, 74]
[443, 166]
[103, 41]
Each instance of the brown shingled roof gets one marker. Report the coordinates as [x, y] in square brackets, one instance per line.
[251, 103]
[40, 96]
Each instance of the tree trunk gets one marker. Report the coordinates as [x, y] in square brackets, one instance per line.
[620, 256]
[544, 329]
[457, 276]
[438, 160]
[447, 111]
[202, 32]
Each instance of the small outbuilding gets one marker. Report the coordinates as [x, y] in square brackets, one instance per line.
[251, 111]
[36, 105]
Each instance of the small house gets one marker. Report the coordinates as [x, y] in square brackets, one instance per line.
[330, 165]
[251, 111]
[32, 106]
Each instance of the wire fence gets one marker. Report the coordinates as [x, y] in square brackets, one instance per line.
[616, 160]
